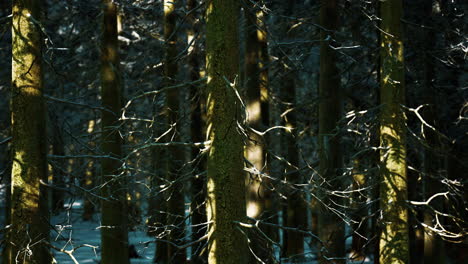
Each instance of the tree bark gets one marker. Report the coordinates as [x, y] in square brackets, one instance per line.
[114, 231]
[176, 159]
[225, 186]
[331, 227]
[394, 242]
[259, 202]
[29, 212]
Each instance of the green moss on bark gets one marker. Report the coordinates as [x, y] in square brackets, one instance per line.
[29, 213]
[394, 245]
[225, 187]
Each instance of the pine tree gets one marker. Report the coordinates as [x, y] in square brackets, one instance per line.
[176, 159]
[330, 226]
[29, 212]
[114, 231]
[258, 196]
[394, 245]
[197, 115]
[225, 186]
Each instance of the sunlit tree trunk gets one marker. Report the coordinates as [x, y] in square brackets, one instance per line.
[114, 231]
[330, 226]
[197, 115]
[257, 193]
[225, 186]
[29, 212]
[394, 245]
[175, 207]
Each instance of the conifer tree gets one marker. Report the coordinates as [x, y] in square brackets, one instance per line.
[114, 231]
[394, 245]
[225, 186]
[29, 206]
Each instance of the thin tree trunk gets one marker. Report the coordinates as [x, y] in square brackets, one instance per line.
[359, 213]
[176, 160]
[58, 179]
[257, 193]
[434, 247]
[394, 241]
[225, 186]
[199, 227]
[295, 212]
[331, 227]
[114, 231]
[29, 212]
[6, 253]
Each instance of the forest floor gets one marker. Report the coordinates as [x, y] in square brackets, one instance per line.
[70, 231]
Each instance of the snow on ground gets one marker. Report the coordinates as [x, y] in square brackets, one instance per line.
[70, 231]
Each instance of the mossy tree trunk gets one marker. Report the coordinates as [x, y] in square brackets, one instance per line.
[330, 226]
[394, 244]
[225, 186]
[176, 159]
[29, 212]
[197, 115]
[114, 231]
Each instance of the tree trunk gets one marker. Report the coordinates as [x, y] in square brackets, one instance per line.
[29, 212]
[199, 227]
[225, 186]
[257, 193]
[176, 203]
[394, 244]
[434, 247]
[114, 231]
[58, 177]
[331, 227]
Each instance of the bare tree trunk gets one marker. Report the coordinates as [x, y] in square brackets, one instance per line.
[225, 186]
[29, 199]
[176, 157]
[257, 193]
[331, 227]
[114, 231]
[394, 243]
[199, 226]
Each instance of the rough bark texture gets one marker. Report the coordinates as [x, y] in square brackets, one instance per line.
[330, 226]
[225, 186]
[176, 203]
[393, 187]
[114, 231]
[29, 212]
